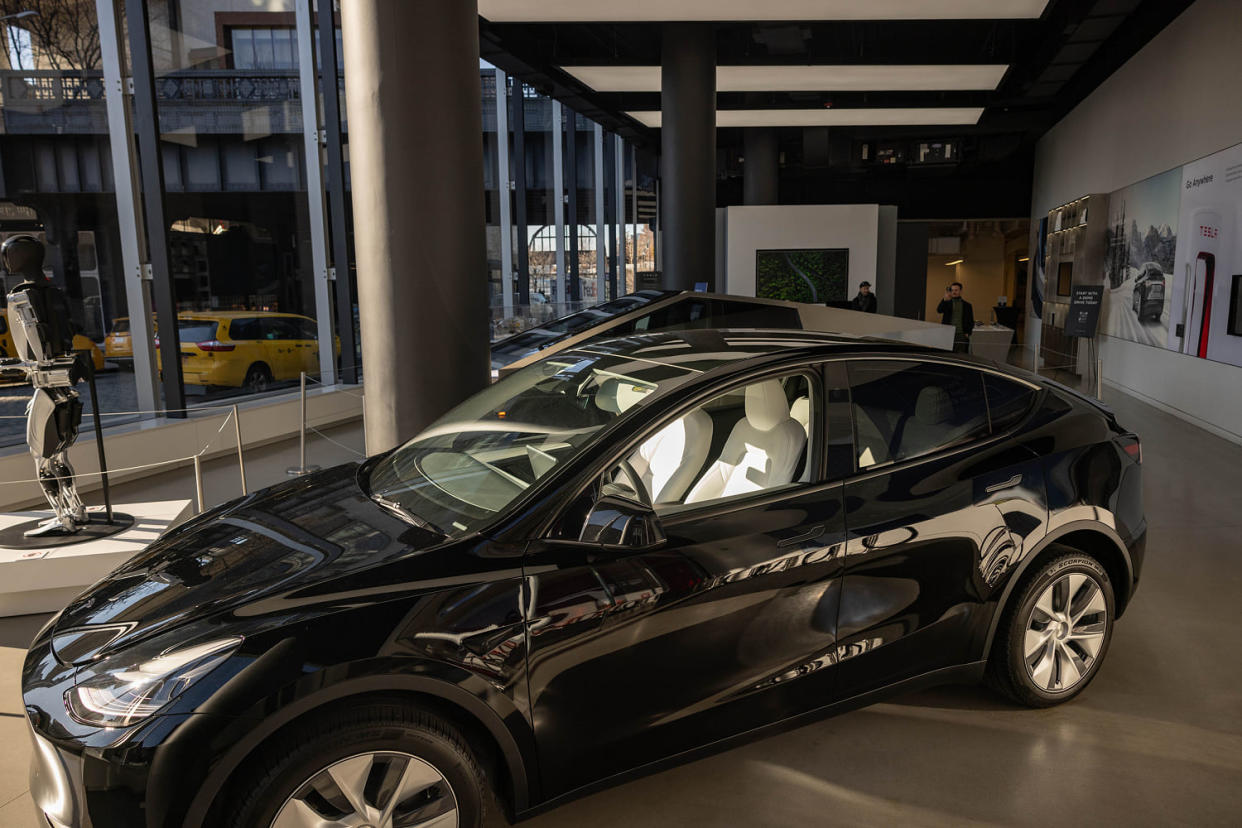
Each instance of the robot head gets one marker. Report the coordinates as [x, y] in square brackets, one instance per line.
[23, 256]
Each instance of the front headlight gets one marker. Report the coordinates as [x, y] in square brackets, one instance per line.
[133, 691]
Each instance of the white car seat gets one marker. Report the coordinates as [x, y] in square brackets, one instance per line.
[932, 423]
[762, 451]
[670, 459]
[801, 411]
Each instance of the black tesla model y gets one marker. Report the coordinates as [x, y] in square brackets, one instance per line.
[623, 554]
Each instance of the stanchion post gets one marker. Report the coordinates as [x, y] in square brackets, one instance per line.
[198, 481]
[302, 468]
[241, 461]
[1099, 379]
[99, 446]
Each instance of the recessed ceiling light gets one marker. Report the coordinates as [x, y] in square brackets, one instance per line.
[632, 11]
[884, 78]
[916, 116]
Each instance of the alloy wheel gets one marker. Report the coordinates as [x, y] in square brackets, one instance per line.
[1065, 631]
[383, 789]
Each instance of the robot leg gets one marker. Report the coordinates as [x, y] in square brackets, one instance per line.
[53, 415]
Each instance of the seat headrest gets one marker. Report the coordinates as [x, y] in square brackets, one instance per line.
[616, 396]
[766, 407]
[934, 406]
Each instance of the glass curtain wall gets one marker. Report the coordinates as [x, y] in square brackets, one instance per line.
[56, 185]
[231, 137]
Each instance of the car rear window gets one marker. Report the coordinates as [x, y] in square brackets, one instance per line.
[907, 409]
[120, 326]
[1008, 401]
[197, 331]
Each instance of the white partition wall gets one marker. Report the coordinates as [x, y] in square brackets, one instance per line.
[801, 226]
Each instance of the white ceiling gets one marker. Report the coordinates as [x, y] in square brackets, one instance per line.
[905, 78]
[923, 116]
[636, 11]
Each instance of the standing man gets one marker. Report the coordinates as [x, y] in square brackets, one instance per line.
[956, 311]
[865, 300]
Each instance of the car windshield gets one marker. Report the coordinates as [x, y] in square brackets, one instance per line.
[480, 457]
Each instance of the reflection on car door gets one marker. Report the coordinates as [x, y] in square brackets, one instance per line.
[729, 625]
[928, 538]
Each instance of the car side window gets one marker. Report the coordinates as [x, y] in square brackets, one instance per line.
[244, 328]
[279, 327]
[1008, 401]
[904, 409]
[746, 440]
[307, 329]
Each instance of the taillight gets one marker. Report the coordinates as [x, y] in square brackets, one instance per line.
[1130, 445]
[213, 345]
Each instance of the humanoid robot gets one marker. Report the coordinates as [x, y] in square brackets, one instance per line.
[43, 347]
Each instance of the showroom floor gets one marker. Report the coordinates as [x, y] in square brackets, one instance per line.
[1156, 740]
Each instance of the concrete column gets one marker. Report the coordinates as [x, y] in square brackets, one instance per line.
[761, 167]
[688, 154]
[418, 208]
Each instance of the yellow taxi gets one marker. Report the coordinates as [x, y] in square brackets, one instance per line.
[247, 349]
[80, 343]
[118, 346]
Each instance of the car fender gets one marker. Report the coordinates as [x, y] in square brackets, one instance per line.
[447, 683]
[1058, 531]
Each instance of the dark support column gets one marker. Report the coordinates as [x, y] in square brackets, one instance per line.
[336, 195]
[761, 167]
[151, 162]
[688, 150]
[571, 211]
[519, 180]
[610, 210]
[415, 150]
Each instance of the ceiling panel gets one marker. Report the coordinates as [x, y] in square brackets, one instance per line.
[560, 11]
[916, 116]
[846, 78]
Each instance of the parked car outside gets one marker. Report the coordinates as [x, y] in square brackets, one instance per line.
[246, 349]
[614, 556]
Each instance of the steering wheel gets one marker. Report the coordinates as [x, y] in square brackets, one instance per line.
[636, 483]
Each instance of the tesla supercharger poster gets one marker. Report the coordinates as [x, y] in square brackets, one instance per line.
[1173, 260]
[1206, 307]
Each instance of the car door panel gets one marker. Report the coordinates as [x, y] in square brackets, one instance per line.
[930, 541]
[726, 627]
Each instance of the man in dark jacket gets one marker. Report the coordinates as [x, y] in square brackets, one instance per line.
[865, 300]
[956, 311]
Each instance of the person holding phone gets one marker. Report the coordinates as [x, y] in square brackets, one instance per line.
[956, 311]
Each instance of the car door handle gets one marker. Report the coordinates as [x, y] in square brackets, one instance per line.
[1004, 484]
[811, 534]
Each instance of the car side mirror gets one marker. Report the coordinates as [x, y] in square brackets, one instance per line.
[620, 520]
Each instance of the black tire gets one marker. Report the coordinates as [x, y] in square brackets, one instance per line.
[258, 378]
[1008, 671]
[268, 781]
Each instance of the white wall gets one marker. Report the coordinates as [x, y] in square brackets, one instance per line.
[1177, 100]
[800, 226]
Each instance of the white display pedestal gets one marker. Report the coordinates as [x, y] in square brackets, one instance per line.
[44, 580]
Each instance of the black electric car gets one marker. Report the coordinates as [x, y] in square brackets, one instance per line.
[617, 556]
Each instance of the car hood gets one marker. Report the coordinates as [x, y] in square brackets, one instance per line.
[316, 529]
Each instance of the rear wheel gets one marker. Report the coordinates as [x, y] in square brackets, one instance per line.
[380, 766]
[1052, 642]
[258, 379]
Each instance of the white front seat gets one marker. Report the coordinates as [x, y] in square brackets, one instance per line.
[670, 459]
[762, 451]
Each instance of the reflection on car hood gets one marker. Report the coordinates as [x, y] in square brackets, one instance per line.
[292, 536]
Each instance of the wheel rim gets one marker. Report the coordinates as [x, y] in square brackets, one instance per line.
[257, 381]
[1065, 632]
[383, 789]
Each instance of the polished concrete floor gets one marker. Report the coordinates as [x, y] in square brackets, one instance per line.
[1155, 740]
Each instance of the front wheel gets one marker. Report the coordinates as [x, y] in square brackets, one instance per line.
[1052, 643]
[381, 765]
